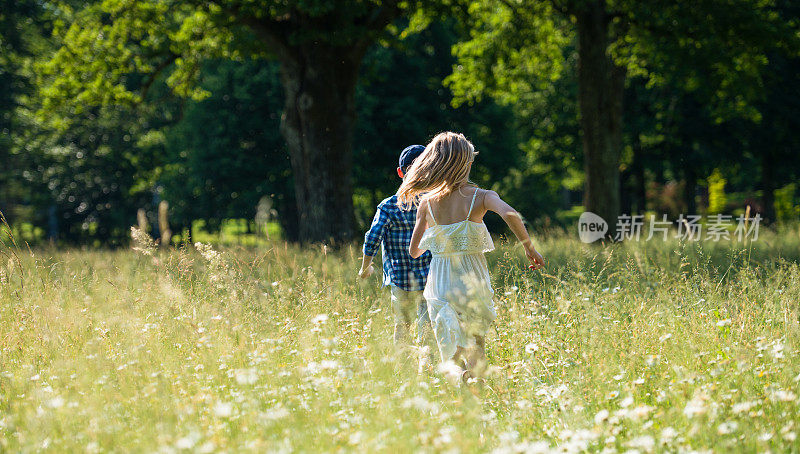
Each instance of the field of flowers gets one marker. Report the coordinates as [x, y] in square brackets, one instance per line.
[639, 346]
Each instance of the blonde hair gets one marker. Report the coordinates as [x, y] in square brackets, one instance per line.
[440, 170]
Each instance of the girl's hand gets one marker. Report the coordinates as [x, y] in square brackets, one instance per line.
[536, 259]
[365, 273]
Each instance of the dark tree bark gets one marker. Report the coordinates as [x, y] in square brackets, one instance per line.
[626, 184]
[601, 88]
[319, 80]
[317, 123]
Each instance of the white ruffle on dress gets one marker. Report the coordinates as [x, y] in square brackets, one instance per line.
[459, 291]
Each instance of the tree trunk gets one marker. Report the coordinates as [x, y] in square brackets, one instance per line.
[626, 185]
[601, 88]
[319, 114]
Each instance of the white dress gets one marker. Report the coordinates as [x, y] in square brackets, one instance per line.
[459, 291]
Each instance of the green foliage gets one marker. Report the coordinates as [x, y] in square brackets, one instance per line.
[402, 102]
[112, 51]
[225, 152]
[786, 208]
[695, 74]
[90, 127]
[511, 54]
[91, 174]
[21, 24]
[524, 58]
[716, 193]
[717, 50]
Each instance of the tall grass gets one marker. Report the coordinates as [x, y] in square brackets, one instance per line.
[647, 346]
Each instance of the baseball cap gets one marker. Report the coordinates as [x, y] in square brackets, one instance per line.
[409, 154]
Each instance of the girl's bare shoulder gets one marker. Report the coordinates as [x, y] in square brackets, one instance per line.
[490, 199]
[482, 193]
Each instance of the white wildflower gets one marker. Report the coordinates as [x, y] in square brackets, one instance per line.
[531, 348]
[644, 442]
[727, 427]
[777, 350]
[329, 364]
[641, 412]
[223, 410]
[550, 393]
[275, 413]
[188, 441]
[356, 438]
[601, 416]
[668, 434]
[783, 396]
[743, 406]
[56, 402]
[421, 404]
[508, 437]
[695, 407]
[626, 402]
[246, 376]
[524, 404]
[451, 371]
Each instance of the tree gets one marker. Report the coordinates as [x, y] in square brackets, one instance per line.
[114, 51]
[711, 44]
[225, 152]
[89, 179]
[20, 22]
[401, 101]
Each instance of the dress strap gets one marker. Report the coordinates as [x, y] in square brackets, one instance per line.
[430, 210]
[473, 203]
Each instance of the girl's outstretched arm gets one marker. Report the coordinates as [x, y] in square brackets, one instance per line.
[493, 202]
[419, 229]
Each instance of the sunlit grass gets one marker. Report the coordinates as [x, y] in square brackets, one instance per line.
[649, 346]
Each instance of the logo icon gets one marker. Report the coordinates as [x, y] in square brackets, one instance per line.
[591, 227]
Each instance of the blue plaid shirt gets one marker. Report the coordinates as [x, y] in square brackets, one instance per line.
[391, 229]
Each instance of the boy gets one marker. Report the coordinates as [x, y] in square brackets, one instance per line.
[391, 228]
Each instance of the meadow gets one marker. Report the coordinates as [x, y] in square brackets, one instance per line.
[640, 346]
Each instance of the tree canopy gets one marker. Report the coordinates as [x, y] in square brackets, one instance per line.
[221, 107]
[715, 51]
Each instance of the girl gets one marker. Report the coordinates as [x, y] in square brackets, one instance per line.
[450, 224]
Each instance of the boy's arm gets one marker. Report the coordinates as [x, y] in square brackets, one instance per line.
[419, 229]
[493, 202]
[372, 241]
[366, 267]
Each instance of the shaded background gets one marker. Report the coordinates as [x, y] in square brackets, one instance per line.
[110, 107]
